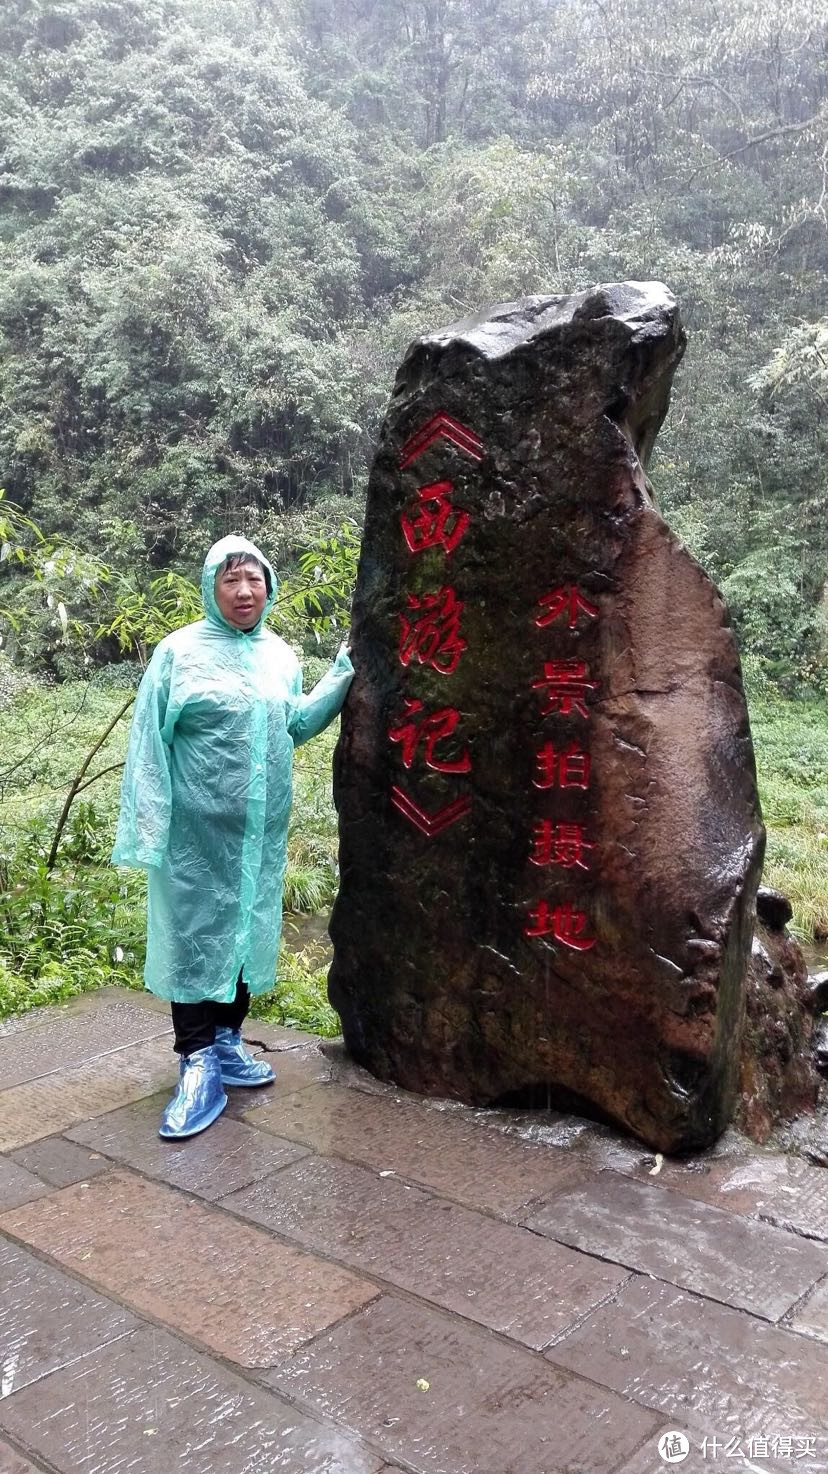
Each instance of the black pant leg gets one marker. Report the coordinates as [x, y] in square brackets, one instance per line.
[232, 1015]
[194, 1026]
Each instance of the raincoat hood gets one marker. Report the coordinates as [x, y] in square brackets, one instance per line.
[230, 547]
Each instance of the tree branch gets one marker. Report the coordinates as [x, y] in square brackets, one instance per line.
[774, 133]
[781, 132]
[87, 783]
[78, 783]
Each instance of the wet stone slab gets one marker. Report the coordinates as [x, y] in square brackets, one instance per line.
[151, 1405]
[61, 1038]
[751, 1265]
[50, 1105]
[774, 1188]
[490, 1272]
[17, 1185]
[12, 1462]
[192, 1267]
[488, 1407]
[60, 1162]
[47, 1319]
[18, 1022]
[715, 1370]
[812, 1317]
[442, 1150]
[227, 1157]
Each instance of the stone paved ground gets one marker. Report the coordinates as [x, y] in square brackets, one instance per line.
[340, 1277]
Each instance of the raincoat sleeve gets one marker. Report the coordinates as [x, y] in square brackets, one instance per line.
[313, 713]
[144, 820]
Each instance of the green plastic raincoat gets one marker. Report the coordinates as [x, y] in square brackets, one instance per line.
[207, 791]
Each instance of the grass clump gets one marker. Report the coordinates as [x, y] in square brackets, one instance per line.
[791, 741]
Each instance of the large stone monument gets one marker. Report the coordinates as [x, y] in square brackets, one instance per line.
[550, 833]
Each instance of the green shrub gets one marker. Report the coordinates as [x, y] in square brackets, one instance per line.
[300, 1000]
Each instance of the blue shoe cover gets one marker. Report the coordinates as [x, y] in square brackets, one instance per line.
[198, 1099]
[238, 1067]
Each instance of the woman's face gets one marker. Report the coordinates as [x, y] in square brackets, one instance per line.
[241, 593]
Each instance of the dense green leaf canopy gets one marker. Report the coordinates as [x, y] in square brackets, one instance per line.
[221, 221]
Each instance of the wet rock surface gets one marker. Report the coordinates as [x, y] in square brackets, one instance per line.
[816, 992]
[778, 1069]
[369, 1282]
[550, 835]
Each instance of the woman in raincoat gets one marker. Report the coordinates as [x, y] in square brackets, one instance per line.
[205, 804]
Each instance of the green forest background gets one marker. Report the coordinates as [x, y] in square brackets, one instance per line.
[221, 224]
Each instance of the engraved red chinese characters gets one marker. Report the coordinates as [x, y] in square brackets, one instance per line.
[565, 684]
[559, 844]
[433, 636]
[563, 923]
[567, 769]
[430, 729]
[433, 521]
[566, 600]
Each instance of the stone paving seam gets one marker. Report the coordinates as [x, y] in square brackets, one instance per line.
[532, 1358]
[136, 1083]
[581, 1320]
[309, 1409]
[68, 1274]
[526, 1209]
[440, 1196]
[59, 1041]
[643, 1274]
[646, 1440]
[728, 1190]
[33, 1462]
[18, 1184]
[93, 1058]
[712, 1365]
[391, 1286]
[499, 1383]
[668, 1418]
[202, 1167]
[769, 1219]
[324, 1424]
[589, 1221]
[142, 1315]
[800, 1304]
[800, 1233]
[255, 1376]
[151, 1322]
[562, 1268]
[345, 1283]
[609, 1300]
[73, 1361]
